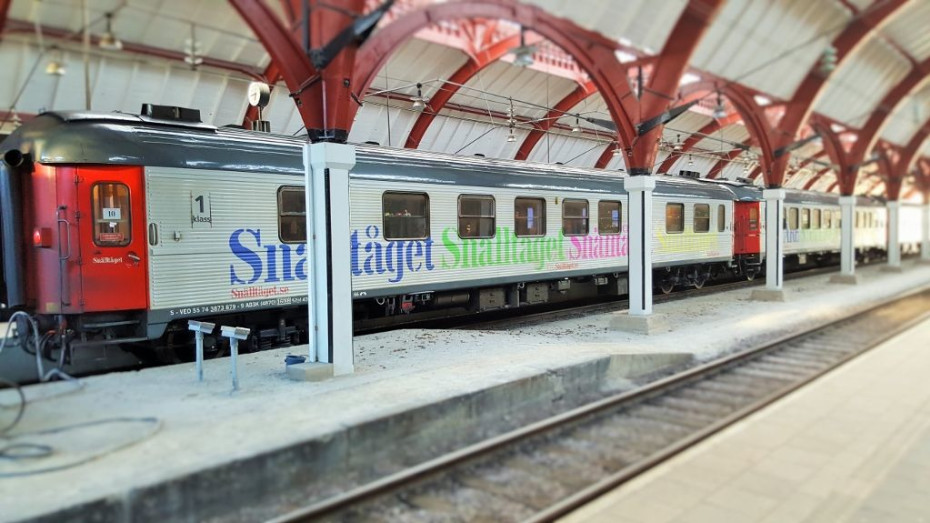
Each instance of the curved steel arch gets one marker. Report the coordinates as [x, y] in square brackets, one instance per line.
[539, 130]
[689, 143]
[460, 77]
[593, 52]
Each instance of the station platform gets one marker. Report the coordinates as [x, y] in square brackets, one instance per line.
[852, 446]
[156, 445]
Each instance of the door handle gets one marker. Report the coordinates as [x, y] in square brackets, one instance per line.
[134, 257]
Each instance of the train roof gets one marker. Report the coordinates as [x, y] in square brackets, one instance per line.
[79, 137]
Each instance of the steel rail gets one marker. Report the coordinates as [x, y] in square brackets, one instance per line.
[438, 465]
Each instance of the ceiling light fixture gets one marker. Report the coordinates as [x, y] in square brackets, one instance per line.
[828, 60]
[109, 41]
[720, 111]
[523, 54]
[193, 50]
[745, 169]
[617, 151]
[577, 127]
[511, 137]
[677, 146]
[16, 120]
[55, 66]
[419, 104]
[690, 161]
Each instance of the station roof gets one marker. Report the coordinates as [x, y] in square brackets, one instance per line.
[867, 60]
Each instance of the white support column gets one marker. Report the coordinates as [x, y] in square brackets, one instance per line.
[847, 245]
[925, 239]
[894, 243]
[774, 247]
[329, 277]
[639, 318]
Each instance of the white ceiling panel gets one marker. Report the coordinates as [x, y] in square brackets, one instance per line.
[909, 116]
[646, 24]
[769, 45]
[909, 29]
[855, 89]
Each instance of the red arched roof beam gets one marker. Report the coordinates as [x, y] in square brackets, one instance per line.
[896, 169]
[922, 178]
[726, 159]
[472, 67]
[663, 85]
[847, 169]
[860, 27]
[323, 98]
[539, 130]
[4, 12]
[752, 114]
[593, 52]
[815, 178]
[871, 131]
[711, 127]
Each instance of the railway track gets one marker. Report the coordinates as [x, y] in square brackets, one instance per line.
[551, 467]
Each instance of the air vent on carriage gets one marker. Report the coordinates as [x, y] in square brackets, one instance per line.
[689, 174]
[747, 181]
[170, 112]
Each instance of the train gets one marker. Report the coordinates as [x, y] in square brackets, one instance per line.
[118, 228]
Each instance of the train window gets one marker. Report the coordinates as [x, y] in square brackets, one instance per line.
[112, 216]
[815, 219]
[793, 218]
[753, 219]
[701, 217]
[476, 216]
[858, 219]
[827, 219]
[292, 215]
[529, 216]
[608, 217]
[406, 215]
[674, 217]
[805, 218]
[870, 220]
[721, 218]
[837, 219]
[575, 217]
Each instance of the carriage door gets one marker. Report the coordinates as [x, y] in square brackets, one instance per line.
[112, 238]
[747, 238]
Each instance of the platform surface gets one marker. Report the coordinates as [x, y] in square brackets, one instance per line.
[852, 446]
[201, 424]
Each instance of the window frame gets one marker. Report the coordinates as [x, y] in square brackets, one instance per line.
[694, 218]
[794, 215]
[281, 214]
[479, 217]
[127, 239]
[384, 228]
[619, 217]
[541, 218]
[586, 219]
[681, 207]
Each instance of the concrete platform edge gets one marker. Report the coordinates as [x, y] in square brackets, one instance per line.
[326, 465]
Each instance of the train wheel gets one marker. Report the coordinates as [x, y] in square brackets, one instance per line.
[700, 280]
[666, 286]
[750, 275]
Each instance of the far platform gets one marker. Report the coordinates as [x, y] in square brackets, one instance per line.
[425, 391]
[852, 446]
